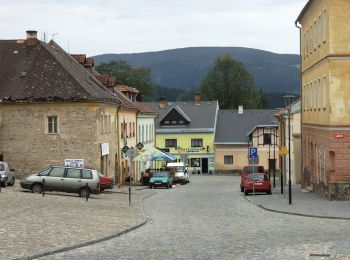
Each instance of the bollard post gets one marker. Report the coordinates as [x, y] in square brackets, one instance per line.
[87, 191]
[129, 195]
[43, 187]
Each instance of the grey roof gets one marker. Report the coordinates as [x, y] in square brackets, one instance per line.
[44, 72]
[203, 116]
[233, 128]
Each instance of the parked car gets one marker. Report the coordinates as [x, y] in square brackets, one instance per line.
[248, 170]
[105, 182]
[65, 179]
[161, 179]
[181, 174]
[257, 182]
[7, 176]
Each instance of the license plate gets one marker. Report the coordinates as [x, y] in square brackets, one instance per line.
[157, 183]
[258, 183]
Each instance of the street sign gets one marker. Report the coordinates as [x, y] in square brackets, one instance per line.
[339, 136]
[283, 150]
[139, 146]
[253, 153]
[125, 149]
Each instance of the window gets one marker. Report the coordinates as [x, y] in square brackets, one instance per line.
[181, 122]
[73, 173]
[174, 122]
[196, 142]
[133, 129]
[310, 95]
[319, 29]
[45, 172]
[195, 162]
[324, 25]
[170, 142]
[311, 32]
[57, 172]
[228, 159]
[139, 134]
[319, 93]
[122, 130]
[87, 174]
[306, 95]
[324, 92]
[307, 42]
[52, 124]
[315, 94]
[315, 34]
[267, 139]
[166, 122]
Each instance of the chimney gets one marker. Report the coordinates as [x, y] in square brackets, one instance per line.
[197, 99]
[162, 102]
[32, 37]
[240, 109]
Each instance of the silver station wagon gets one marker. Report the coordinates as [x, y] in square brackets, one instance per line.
[65, 179]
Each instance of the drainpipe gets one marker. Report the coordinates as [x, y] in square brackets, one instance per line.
[301, 106]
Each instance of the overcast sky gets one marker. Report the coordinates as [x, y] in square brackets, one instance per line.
[127, 26]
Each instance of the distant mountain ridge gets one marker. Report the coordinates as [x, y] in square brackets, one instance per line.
[185, 68]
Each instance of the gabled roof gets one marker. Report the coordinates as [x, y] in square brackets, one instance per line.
[126, 103]
[144, 108]
[124, 88]
[179, 111]
[202, 117]
[45, 73]
[234, 128]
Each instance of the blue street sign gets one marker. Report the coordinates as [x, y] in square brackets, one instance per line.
[253, 153]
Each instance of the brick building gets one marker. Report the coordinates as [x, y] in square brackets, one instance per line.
[325, 66]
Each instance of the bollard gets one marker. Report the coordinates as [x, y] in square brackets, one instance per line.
[87, 191]
[129, 195]
[43, 187]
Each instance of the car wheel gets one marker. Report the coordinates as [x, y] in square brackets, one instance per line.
[37, 188]
[246, 193]
[150, 186]
[3, 184]
[12, 182]
[242, 189]
[84, 192]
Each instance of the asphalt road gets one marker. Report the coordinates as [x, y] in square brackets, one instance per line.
[209, 218]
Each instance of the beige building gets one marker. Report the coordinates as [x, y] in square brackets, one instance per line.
[325, 65]
[239, 130]
[52, 110]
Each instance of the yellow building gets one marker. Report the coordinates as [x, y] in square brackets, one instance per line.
[325, 66]
[186, 130]
[239, 130]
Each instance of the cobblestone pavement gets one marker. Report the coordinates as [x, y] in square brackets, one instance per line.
[32, 224]
[210, 219]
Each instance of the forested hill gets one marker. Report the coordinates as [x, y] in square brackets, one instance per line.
[184, 68]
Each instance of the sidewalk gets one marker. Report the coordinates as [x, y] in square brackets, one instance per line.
[303, 203]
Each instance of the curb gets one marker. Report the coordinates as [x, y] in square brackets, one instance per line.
[95, 241]
[296, 214]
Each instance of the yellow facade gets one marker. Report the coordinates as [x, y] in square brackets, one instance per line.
[184, 149]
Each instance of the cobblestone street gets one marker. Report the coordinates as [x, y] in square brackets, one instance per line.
[211, 219]
[32, 224]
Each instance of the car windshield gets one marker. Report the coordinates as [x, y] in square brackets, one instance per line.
[160, 174]
[2, 167]
[251, 169]
[256, 177]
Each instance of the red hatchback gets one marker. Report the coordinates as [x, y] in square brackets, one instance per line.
[247, 170]
[257, 182]
[105, 182]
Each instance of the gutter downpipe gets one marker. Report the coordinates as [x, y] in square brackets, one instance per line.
[301, 107]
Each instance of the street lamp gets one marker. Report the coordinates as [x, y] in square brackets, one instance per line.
[287, 100]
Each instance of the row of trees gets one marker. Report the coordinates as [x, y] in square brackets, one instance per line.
[228, 81]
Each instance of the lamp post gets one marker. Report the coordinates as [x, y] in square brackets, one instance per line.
[288, 98]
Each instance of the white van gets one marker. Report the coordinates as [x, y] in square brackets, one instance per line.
[181, 173]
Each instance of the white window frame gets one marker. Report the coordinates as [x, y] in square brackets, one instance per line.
[54, 124]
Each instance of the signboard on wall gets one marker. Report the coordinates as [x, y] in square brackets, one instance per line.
[104, 149]
[74, 163]
[339, 135]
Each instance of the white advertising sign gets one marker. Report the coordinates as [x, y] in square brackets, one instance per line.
[104, 149]
[74, 163]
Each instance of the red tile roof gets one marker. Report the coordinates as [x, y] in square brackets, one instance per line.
[124, 88]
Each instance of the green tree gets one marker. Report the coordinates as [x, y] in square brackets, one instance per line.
[231, 84]
[140, 78]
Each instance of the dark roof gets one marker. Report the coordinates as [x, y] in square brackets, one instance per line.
[145, 108]
[232, 127]
[203, 116]
[45, 73]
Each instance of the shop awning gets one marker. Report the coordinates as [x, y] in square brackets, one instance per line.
[153, 154]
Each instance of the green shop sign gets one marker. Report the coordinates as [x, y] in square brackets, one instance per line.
[190, 150]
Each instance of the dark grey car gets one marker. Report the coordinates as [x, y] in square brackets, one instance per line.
[65, 179]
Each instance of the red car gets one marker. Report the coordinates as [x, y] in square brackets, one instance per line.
[257, 182]
[248, 170]
[105, 182]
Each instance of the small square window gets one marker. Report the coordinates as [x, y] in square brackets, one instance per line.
[196, 142]
[170, 142]
[195, 162]
[228, 159]
[267, 139]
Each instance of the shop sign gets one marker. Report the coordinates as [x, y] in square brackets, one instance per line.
[339, 136]
[104, 149]
[189, 150]
[74, 163]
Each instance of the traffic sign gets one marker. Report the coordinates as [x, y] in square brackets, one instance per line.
[125, 149]
[253, 153]
[283, 150]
